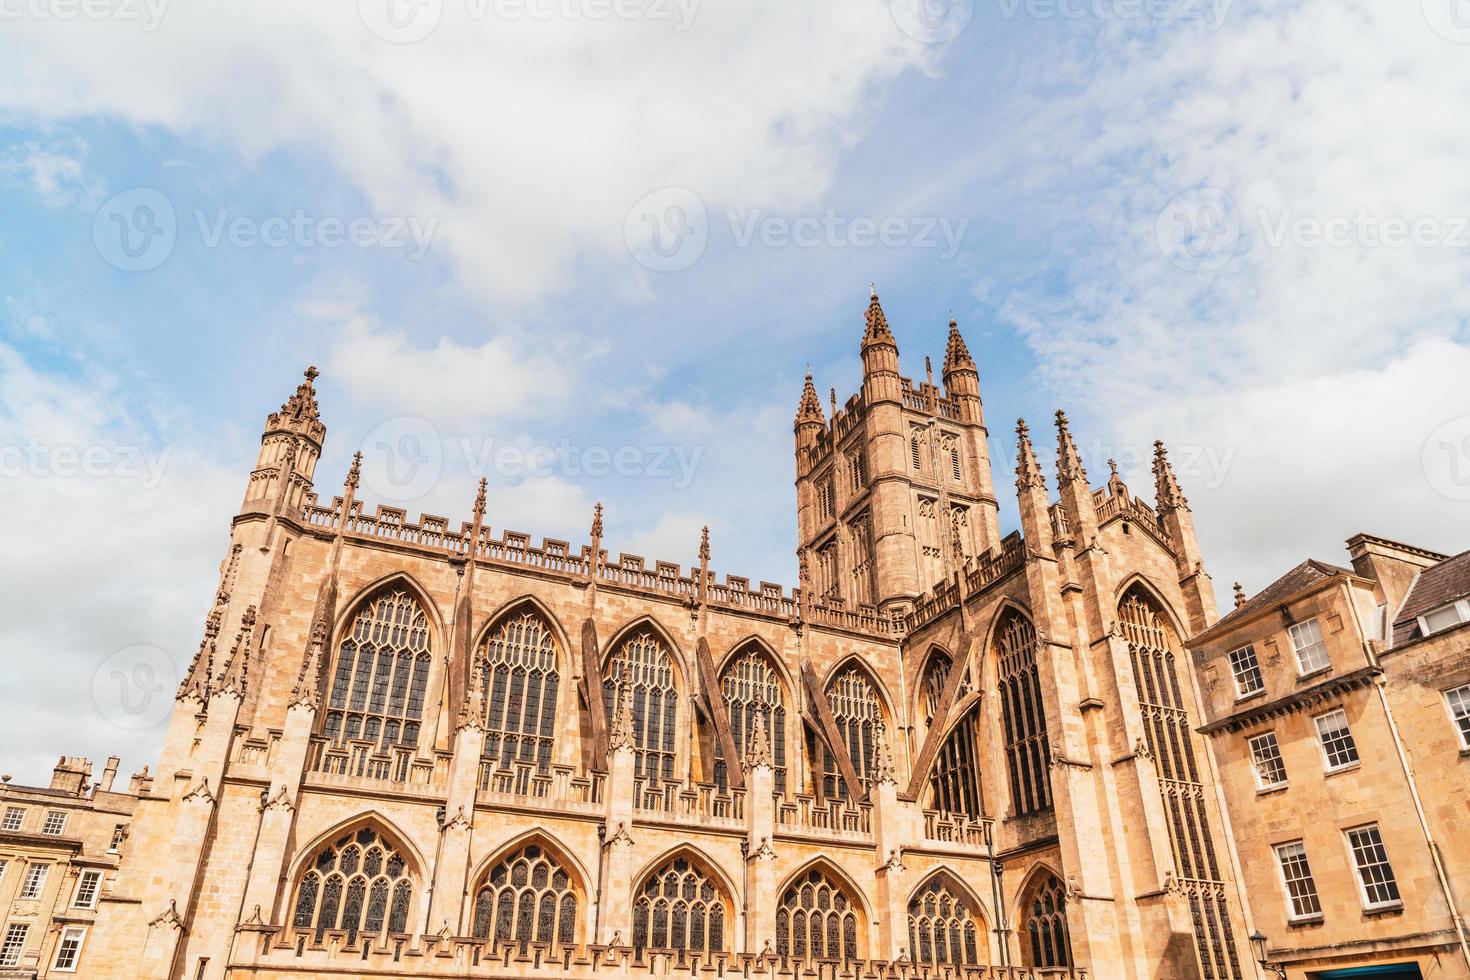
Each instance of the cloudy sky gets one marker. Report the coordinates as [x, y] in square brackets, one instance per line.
[534, 238]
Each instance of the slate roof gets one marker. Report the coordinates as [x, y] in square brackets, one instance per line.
[1303, 576]
[1438, 585]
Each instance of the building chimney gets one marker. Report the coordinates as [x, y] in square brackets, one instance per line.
[109, 774]
[71, 774]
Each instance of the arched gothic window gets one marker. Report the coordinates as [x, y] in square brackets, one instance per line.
[942, 927]
[643, 664]
[1046, 938]
[751, 687]
[1154, 650]
[358, 883]
[936, 678]
[678, 906]
[519, 681]
[381, 674]
[816, 919]
[954, 780]
[527, 897]
[859, 716]
[1023, 716]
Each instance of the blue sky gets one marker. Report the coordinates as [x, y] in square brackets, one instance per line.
[1175, 219]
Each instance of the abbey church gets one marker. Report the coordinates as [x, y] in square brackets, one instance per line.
[410, 746]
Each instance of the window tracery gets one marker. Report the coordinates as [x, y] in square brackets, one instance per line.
[381, 674]
[1046, 937]
[859, 716]
[359, 883]
[816, 918]
[942, 927]
[526, 897]
[643, 664]
[520, 683]
[752, 687]
[679, 906]
[1023, 715]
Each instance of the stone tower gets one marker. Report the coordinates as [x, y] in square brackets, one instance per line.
[899, 473]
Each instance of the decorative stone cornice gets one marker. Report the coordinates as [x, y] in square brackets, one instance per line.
[1326, 690]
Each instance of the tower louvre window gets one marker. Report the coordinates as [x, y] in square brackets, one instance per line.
[752, 688]
[381, 674]
[644, 666]
[359, 884]
[916, 451]
[825, 504]
[857, 469]
[817, 919]
[520, 683]
[527, 897]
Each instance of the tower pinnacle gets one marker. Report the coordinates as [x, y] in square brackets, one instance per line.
[876, 330]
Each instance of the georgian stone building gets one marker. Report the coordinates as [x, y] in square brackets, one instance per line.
[1337, 703]
[427, 748]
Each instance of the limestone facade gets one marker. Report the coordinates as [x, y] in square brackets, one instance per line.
[1341, 729]
[424, 748]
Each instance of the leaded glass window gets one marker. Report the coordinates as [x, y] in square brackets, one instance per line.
[943, 929]
[679, 906]
[859, 716]
[381, 674]
[360, 884]
[527, 897]
[520, 683]
[954, 780]
[1022, 714]
[1045, 936]
[817, 919]
[752, 687]
[643, 664]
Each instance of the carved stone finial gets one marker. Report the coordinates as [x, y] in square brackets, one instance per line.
[1069, 462]
[704, 545]
[1167, 494]
[622, 735]
[1239, 596]
[809, 408]
[1028, 470]
[885, 770]
[354, 472]
[302, 404]
[758, 749]
[876, 324]
[956, 354]
[597, 520]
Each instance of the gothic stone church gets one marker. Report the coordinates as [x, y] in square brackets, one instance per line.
[431, 750]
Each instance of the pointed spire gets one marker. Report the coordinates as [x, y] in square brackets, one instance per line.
[1167, 495]
[758, 749]
[472, 709]
[810, 407]
[885, 770]
[876, 331]
[1069, 462]
[1116, 486]
[302, 405]
[956, 354]
[479, 509]
[237, 671]
[1028, 470]
[1239, 596]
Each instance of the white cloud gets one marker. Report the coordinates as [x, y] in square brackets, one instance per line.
[1323, 367]
[527, 140]
[53, 173]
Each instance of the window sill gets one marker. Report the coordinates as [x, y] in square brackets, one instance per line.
[1318, 672]
[1350, 767]
[1393, 908]
[1465, 752]
[1304, 921]
[1269, 790]
[1243, 698]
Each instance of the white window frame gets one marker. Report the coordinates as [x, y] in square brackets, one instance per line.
[80, 935]
[1461, 695]
[11, 950]
[1461, 609]
[119, 834]
[1315, 647]
[1368, 904]
[93, 875]
[15, 818]
[1291, 913]
[55, 818]
[1327, 762]
[1254, 665]
[1261, 783]
[4, 863]
[33, 885]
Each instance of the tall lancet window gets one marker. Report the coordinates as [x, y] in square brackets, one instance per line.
[1045, 938]
[943, 928]
[643, 665]
[679, 906]
[817, 918]
[359, 884]
[751, 687]
[381, 674]
[520, 683]
[527, 897]
[1022, 714]
[859, 716]
[954, 780]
